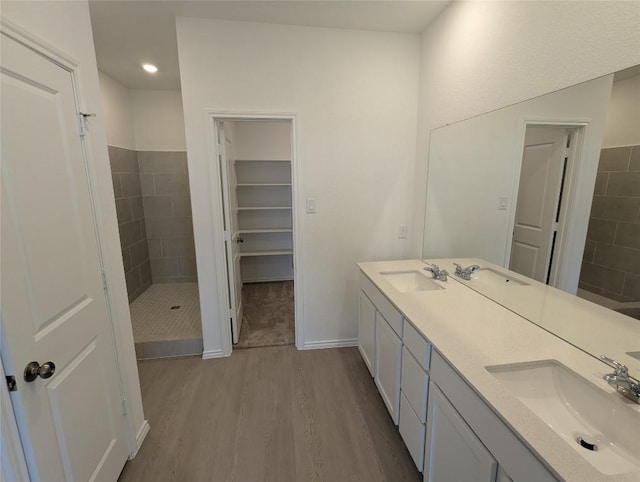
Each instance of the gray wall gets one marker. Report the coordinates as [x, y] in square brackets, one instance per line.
[131, 223]
[611, 262]
[154, 217]
[167, 209]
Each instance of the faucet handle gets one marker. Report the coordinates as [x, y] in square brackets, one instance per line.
[619, 367]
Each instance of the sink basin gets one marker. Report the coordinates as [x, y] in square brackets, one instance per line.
[594, 423]
[490, 275]
[406, 281]
[634, 354]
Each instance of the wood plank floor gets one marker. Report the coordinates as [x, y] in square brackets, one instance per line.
[267, 414]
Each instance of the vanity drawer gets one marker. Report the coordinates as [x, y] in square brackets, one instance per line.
[417, 345]
[383, 305]
[412, 431]
[414, 384]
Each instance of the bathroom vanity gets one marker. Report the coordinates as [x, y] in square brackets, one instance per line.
[480, 393]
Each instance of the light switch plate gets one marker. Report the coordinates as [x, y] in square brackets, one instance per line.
[503, 203]
[403, 231]
[311, 205]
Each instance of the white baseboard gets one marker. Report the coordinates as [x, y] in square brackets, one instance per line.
[314, 345]
[142, 434]
[207, 354]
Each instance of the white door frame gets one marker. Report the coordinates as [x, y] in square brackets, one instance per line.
[217, 207]
[13, 462]
[120, 326]
[563, 248]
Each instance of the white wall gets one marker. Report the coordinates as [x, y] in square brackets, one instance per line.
[116, 100]
[475, 162]
[354, 94]
[142, 120]
[67, 27]
[262, 141]
[480, 56]
[158, 120]
[623, 120]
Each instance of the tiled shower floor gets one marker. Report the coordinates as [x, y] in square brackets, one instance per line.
[154, 320]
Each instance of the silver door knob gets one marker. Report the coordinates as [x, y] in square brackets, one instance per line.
[34, 370]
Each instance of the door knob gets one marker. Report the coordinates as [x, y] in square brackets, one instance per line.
[239, 239]
[34, 370]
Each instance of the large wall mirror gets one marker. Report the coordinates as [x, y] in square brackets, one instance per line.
[549, 188]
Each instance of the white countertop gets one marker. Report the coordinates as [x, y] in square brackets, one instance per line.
[473, 332]
[593, 328]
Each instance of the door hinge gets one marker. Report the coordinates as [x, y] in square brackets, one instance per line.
[82, 122]
[82, 126]
[123, 404]
[12, 386]
[104, 280]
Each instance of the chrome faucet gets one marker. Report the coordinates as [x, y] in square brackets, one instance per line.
[621, 381]
[465, 273]
[436, 272]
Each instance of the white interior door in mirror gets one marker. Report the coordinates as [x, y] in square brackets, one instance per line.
[53, 302]
[544, 157]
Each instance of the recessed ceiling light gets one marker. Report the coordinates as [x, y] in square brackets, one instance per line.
[152, 69]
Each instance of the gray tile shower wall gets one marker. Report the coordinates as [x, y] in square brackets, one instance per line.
[611, 260]
[131, 223]
[164, 180]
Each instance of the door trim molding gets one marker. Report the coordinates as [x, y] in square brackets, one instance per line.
[14, 464]
[39, 45]
[566, 248]
[296, 194]
[142, 434]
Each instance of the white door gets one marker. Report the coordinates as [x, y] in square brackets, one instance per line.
[544, 158]
[232, 237]
[54, 309]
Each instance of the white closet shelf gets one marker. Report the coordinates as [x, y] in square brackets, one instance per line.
[265, 230]
[282, 184]
[270, 252]
[263, 208]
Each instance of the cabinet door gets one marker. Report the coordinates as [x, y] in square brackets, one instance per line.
[388, 362]
[366, 330]
[453, 452]
[412, 431]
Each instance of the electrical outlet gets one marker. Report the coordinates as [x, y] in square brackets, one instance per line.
[403, 231]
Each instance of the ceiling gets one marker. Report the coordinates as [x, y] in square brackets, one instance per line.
[129, 33]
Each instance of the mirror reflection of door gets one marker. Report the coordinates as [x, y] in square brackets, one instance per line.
[545, 159]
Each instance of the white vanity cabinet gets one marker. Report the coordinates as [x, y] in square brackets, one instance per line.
[451, 433]
[385, 357]
[366, 330]
[466, 440]
[388, 362]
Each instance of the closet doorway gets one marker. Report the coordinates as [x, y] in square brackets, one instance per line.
[255, 162]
